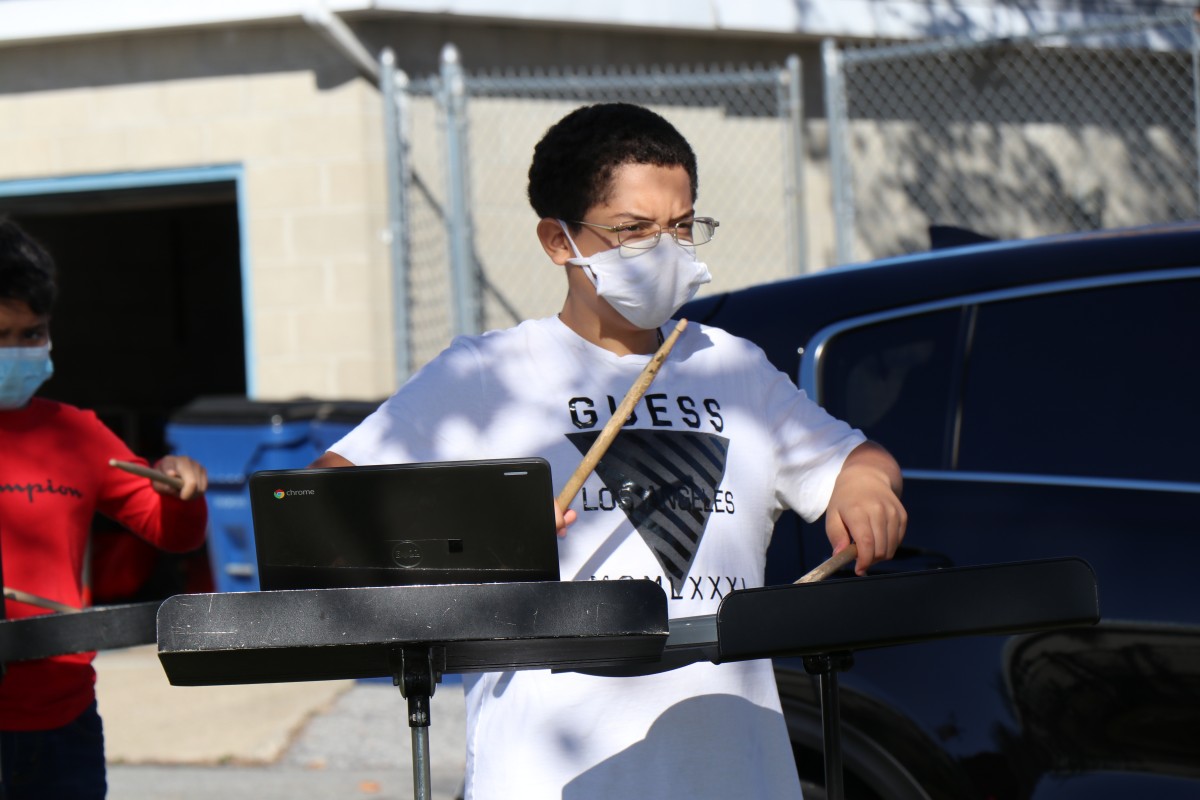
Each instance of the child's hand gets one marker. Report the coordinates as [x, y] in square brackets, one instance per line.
[192, 473]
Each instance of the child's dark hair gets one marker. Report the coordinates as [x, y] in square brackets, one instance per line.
[574, 162]
[27, 271]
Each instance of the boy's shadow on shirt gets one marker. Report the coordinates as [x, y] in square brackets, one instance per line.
[681, 750]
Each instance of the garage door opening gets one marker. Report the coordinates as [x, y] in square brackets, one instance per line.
[149, 317]
[149, 314]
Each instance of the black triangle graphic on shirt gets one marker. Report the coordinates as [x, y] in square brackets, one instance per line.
[665, 482]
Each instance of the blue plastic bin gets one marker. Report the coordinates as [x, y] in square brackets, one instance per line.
[332, 421]
[234, 437]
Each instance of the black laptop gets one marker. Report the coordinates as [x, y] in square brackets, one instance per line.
[404, 524]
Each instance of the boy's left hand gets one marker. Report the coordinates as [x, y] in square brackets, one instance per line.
[865, 506]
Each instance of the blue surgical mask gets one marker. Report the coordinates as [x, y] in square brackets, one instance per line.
[22, 372]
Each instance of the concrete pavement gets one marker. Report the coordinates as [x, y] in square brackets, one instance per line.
[339, 739]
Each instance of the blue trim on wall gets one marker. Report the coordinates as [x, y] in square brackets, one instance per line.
[110, 181]
[247, 305]
[120, 180]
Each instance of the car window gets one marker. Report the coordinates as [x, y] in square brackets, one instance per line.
[1101, 382]
[894, 380]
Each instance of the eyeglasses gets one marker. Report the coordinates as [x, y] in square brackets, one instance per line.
[642, 234]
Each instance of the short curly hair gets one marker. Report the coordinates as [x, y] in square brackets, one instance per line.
[27, 272]
[573, 164]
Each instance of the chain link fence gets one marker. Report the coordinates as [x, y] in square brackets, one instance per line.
[1072, 130]
[467, 233]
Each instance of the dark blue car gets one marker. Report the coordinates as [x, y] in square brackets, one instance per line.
[1043, 398]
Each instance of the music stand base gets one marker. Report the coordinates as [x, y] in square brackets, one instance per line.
[826, 666]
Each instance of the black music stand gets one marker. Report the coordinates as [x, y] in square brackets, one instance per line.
[61, 633]
[826, 622]
[416, 633]
[97, 628]
[413, 634]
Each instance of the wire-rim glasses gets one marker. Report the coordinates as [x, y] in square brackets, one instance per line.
[642, 234]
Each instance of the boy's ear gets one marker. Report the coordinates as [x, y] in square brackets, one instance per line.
[554, 241]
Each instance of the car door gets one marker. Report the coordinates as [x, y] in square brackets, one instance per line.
[1057, 420]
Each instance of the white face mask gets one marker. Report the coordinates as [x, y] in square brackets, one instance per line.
[648, 287]
[22, 371]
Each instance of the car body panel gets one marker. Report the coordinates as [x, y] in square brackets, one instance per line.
[1040, 715]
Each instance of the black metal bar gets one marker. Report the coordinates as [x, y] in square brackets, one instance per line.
[880, 611]
[327, 634]
[99, 628]
[886, 610]
[826, 667]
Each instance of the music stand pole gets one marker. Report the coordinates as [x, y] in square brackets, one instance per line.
[826, 667]
[417, 669]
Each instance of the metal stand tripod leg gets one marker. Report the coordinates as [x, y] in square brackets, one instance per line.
[826, 666]
[417, 670]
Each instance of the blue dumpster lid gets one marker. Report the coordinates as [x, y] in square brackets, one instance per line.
[240, 410]
[346, 410]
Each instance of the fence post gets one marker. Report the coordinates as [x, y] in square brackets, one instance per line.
[791, 98]
[468, 304]
[396, 120]
[839, 169]
[1195, 29]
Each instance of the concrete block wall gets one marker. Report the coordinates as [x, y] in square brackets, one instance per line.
[1012, 180]
[321, 268]
[305, 131]
[311, 159]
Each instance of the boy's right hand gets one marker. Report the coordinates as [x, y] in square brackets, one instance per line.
[563, 519]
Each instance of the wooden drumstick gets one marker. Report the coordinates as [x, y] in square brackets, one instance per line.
[38, 600]
[830, 565]
[146, 472]
[596, 451]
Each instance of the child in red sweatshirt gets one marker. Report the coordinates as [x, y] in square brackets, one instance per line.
[54, 476]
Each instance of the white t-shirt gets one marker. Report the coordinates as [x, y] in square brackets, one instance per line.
[687, 494]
